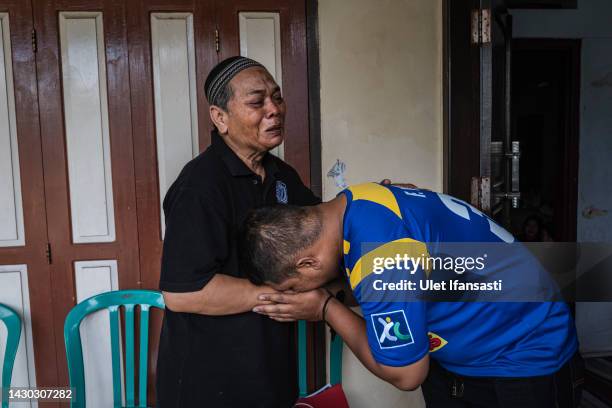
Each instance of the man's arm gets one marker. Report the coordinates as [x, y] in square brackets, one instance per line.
[350, 326]
[222, 295]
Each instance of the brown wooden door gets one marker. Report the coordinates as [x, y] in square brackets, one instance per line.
[120, 109]
[85, 121]
[25, 282]
[200, 19]
[159, 61]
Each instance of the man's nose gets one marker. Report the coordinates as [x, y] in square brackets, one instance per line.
[273, 108]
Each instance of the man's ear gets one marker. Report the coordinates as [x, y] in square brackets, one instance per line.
[219, 118]
[307, 263]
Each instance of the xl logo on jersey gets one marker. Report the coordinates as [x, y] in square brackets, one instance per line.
[392, 329]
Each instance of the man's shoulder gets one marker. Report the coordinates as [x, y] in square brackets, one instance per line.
[204, 171]
[205, 175]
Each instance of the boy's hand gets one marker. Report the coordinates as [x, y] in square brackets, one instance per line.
[387, 182]
[292, 306]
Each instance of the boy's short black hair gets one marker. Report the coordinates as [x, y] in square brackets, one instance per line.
[272, 237]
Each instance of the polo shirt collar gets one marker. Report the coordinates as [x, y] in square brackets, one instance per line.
[234, 164]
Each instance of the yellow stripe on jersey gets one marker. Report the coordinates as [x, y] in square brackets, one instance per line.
[377, 194]
[347, 247]
[403, 246]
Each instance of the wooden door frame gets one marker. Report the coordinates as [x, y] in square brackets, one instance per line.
[316, 331]
[571, 136]
[461, 120]
[314, 95]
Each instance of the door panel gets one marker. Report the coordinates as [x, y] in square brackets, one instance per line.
[24, 274]
[11, 206]
[91, 278]
[87, 137]
[83, 73]
[14, 292]
[175, 90]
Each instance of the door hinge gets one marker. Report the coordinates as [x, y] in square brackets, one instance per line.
[48, 254]
[480, 196]
[217, 42]
[34, 41]
[481, 26]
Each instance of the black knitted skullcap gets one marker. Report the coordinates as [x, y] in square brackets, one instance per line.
[223, 73]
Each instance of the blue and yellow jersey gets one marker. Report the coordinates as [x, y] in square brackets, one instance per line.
[483, 338]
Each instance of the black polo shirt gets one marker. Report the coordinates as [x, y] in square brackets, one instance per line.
[242, 360]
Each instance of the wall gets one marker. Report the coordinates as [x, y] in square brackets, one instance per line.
[381, 90]
[591, 23]
[381, 115]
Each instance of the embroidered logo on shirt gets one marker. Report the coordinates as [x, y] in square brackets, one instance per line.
[435, 342]
[281, 192]
[392, 329]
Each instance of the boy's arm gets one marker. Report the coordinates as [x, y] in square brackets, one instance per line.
[350, 326]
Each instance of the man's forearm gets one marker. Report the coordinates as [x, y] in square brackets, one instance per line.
[351, 327]
[222, 295]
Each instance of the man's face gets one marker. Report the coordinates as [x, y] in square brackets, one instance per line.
[256, 111]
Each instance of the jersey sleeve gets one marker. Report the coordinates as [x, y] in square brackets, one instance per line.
[389, 294]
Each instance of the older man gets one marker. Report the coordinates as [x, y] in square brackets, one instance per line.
[214, 352]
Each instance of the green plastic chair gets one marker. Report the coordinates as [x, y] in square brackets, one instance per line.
[13, 324]
[335, 357]
[128, 299]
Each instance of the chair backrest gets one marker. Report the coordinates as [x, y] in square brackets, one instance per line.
[112, 301]
[13, 325]
[335, 360]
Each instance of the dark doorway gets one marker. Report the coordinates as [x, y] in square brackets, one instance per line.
[545, 104]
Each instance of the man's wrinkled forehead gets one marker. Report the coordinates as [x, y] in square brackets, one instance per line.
[255, 80]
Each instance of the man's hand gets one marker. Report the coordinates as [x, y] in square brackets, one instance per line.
[387, 182]
[292, 306]
[223, 295]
